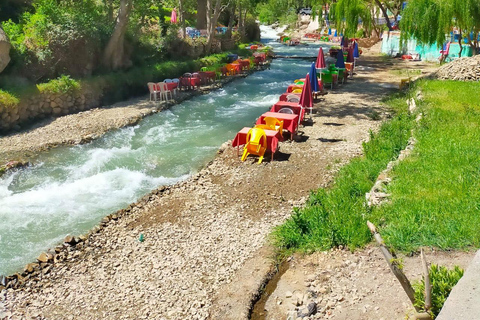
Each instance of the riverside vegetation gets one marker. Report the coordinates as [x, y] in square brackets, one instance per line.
[435, 192]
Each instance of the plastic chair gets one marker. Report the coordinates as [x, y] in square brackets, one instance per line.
[328, 78]
[152, 87]
[293, 98]
[297, 91]
[163, 90]
[256, 144]
[349, 68]
[274, 123]
[444, 52]
[168, 80]
[286, 110]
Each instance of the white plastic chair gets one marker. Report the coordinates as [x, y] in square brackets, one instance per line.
[154, 93]
[286, 110]
[168, 80]
[164, 91]
[293, 98]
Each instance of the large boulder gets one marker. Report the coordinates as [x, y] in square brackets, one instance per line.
[4, 50]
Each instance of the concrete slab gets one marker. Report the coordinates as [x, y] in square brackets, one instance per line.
[464, 300]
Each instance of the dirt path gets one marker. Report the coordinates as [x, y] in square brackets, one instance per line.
[205, 251]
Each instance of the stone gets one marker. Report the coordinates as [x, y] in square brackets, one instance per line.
[31, 267]
[43, 257]
[4, 50]
[288, 294]
[70, 240]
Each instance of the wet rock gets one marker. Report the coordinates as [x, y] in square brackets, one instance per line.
[45, 257]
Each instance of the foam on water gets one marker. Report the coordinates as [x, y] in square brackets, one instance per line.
[70, 189]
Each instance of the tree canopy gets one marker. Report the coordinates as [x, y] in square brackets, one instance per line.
[431, 21]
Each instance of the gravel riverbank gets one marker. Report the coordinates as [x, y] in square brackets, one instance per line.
[205, 239]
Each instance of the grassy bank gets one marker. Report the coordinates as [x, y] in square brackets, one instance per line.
[435, 193]
[337, 215]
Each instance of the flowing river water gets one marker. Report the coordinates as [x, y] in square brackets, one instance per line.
[70, 189]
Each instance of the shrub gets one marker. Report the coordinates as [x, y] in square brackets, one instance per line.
[60, 85]
[442, 280]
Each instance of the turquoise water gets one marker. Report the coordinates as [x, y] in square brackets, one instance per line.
[70, 189]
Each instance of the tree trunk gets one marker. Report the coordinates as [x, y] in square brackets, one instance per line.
[385, 14]
[241, 26]
[212, 18]
[114, 54]
[109, 5]
[460, 43]
[201, 14]
[181, 18]
[231, 20]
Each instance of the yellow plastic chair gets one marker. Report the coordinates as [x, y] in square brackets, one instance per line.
[297, 91]
[256, 144]
[274, 123]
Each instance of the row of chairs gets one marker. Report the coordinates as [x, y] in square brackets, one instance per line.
[161, 91]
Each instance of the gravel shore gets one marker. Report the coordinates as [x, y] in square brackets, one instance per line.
[205, 237]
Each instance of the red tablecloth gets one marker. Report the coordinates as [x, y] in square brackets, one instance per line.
[283, 96]
[272, 139]
[236, 66]
[172, 85]
[189, 82]
[290, 121]
[296, 108]
[208, 76]
[293, 87]
[245, 63]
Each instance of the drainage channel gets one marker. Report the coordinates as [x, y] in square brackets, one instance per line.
[258, 309]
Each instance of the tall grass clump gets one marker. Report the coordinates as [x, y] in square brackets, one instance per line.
[7, 99]
[337, 215]
[436, 191]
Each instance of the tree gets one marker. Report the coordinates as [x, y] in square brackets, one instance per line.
[438, 18]
[213, 12]
[114, 54]
[201, 14]
[348, 13]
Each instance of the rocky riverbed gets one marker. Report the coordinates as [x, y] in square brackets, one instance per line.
[199, 249]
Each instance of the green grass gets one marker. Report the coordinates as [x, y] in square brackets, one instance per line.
[436, 191]
[60, 85]
[337, 215]
[7, 100]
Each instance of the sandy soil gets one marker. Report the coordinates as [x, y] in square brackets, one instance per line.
[206, 252]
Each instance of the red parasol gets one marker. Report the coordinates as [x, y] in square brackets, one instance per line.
[173, 17]
[320, 63]
[306, 97]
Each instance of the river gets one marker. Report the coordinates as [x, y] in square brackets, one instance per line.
[70, 189]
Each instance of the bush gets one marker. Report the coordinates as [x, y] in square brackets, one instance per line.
[62, 84]
[7, 99]
[442, 280]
